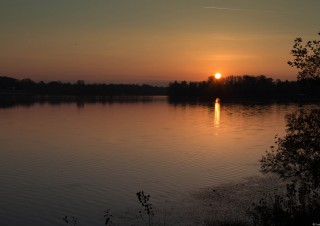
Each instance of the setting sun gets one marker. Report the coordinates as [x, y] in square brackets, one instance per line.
[217, 75]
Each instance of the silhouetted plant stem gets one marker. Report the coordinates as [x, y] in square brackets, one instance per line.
[144, 201]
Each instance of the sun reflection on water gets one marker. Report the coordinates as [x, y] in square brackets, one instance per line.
[217, 112]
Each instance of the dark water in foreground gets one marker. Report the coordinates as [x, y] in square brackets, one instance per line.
[67, 159]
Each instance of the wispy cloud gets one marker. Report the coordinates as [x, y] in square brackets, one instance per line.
[233, 9]
[236, 9]
[228, 57]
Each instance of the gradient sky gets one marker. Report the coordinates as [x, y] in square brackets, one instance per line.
[149, 40]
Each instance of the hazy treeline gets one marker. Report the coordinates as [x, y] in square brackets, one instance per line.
[236, 87]
[246, 86]
[26, 86]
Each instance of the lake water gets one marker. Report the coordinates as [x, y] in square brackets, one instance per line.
[81, 159]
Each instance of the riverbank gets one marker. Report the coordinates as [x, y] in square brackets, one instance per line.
[230, 202]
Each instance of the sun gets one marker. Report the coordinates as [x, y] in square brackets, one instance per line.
[217, 75]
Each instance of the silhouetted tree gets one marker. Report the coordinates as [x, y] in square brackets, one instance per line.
[306, 58]
[297, 155]
[7, 83]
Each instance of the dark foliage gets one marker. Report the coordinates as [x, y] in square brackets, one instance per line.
[307, 61]
[144, 201]
[225, 222]
[296, 158]
[297, 155]
[70, 220]
[246, 86]
[108, 217]
[298, 206]
[26, 86]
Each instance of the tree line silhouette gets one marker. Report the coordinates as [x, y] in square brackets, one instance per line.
[246, 86]
[10, 85]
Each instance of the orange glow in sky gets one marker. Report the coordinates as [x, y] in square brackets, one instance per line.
[142, 40]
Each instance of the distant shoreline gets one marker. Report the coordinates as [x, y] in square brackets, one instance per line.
[233, 87]
[28, 100]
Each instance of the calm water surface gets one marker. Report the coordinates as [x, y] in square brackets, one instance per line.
[59, 160]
